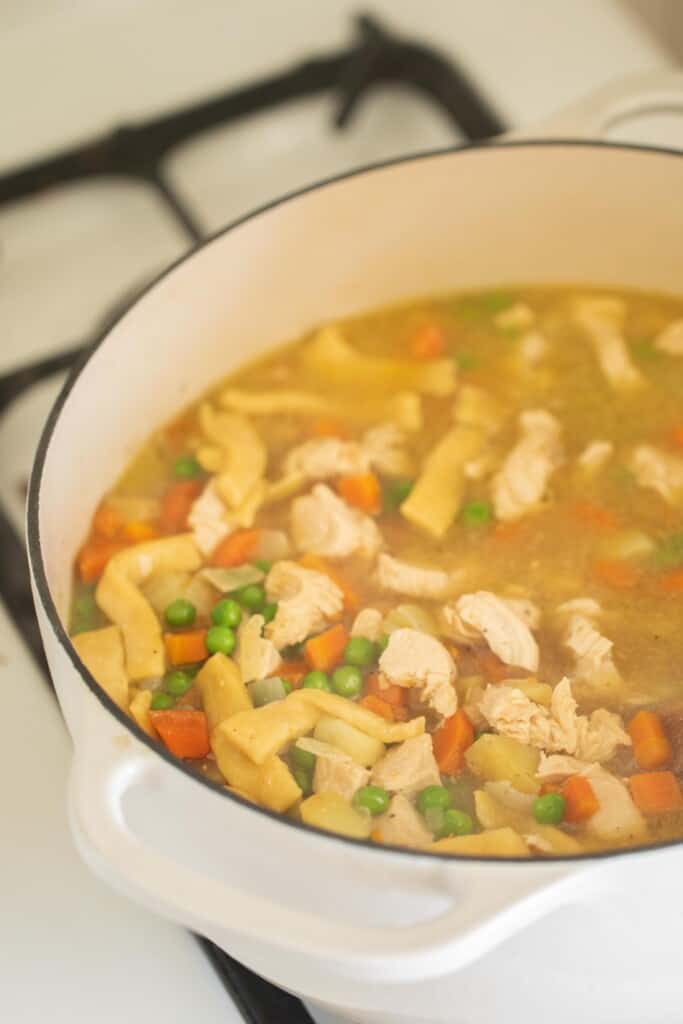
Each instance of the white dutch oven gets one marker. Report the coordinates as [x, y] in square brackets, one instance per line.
[378, 935]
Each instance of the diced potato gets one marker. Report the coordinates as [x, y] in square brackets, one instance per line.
[494, 815]
[270, 784]
[362, 748]
[223, 692]
[334, 814]
[494, 757]
[164, 587]
[540, 693]
[500, 842]
[627, 544]
[470, 688]
[410, 616]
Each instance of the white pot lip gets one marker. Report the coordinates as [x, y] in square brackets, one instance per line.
[35, 555]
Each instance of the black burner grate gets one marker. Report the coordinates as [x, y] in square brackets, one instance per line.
[377, 58]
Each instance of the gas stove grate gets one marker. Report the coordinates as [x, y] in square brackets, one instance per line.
[377, 58]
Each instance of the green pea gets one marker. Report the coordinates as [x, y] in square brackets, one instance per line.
[465, 360]
[263, 564]
[252, 597]
[382, 644]
[669, 554]
[286, 686]
[226, 613]
[373, 799]
[433, 797]
[360, 651]
[347, 681]
[162, 702]
[85, 604]
[317, 681]
[303, 780]
[455, 823]
[269, 611]
[395, 493]
[549, 809]
[180, 613]
[476, 513]
[84, 613]
[186, 468]
[303, 758]
[220, 640]
[177, 682]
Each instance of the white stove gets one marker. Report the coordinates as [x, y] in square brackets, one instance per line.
[71, 253]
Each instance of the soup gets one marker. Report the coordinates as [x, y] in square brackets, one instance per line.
[417, 578]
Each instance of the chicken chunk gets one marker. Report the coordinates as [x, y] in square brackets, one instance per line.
[670, 340]
[414, 581]
[556, 730]
[257, 657]
[323, 524]
[324, 457]
[533, 347]
[522, 481]
[659, 471]
[208, 520]
[594, 668]
[485, 618]
[384, 448]
[335, 771]
[369, 624]
[525, 610]
[602, 320]
[408, 767]
[402, 825]
[412, 658]
[594, 456]
[306, 599]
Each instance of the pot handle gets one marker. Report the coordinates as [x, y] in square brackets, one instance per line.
[590, 117]
[479, 916]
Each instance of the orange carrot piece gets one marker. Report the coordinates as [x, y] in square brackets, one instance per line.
[138, 531]
[651, 747]
[656, 792]
[580, 799]
[318, 564]
[328, 426]
[677, 435]
[389, 692]
[451, 740]
[362, 490]
[236, 549]
[94, 555]
[619, 575]
[176, 504]
[596, 516]
[428, 342]
[379, 706]
[186, 648]
[324, 651]
[184, 733]
[293, 672]
[107, 522]
[509, 531]
[672, 582]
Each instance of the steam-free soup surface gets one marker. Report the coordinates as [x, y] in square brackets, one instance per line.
[417, 577]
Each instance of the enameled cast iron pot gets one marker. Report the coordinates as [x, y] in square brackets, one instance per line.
[379, 935]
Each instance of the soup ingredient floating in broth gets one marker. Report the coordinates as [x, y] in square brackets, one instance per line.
[416, 579]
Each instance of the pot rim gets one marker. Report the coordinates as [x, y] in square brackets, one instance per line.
[37, 564]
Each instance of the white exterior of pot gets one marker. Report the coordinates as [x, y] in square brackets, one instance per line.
[379, 935]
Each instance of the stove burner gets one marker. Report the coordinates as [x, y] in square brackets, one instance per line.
[377, 58]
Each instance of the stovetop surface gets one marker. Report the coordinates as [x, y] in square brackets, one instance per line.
[76, 241]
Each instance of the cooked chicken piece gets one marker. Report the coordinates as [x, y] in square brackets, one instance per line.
[522, 481]
[208, 519]
[659, 470]
[335, 771]
[384, 448]
[325, 457]
[602, 319]
[670, 340]
[306, 599]
[555, 767]
[368, 623]
[515, 318]
[594, 667]
[414, 581]
[323, 524]
[593, 738]
[412, 658]
[525, 610]
[533, 347]
[402, 825]
[485, 618]
[257, 657]
[408, 767]
[477, 469]
[581, 606]
[617, 819]
[594, 456]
